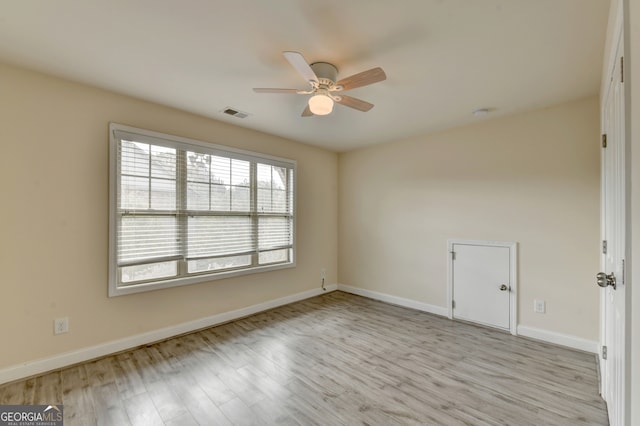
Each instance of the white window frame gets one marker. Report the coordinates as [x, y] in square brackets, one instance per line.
[116, 131]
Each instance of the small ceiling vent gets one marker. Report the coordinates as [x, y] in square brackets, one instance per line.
[235, 112]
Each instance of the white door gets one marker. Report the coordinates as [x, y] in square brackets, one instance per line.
[613, 235]
[481, 284]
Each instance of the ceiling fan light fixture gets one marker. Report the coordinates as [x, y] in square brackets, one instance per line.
[320, 104]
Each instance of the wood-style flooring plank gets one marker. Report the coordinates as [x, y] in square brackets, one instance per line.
[337, 359]
[142, 411]
[77, 397]
[108, 405]
[127, 376]
[167, 402]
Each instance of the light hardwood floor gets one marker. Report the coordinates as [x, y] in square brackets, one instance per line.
[337, 359]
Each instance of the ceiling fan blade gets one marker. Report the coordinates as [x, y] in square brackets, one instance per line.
[301, 65]
[354, 103]
[269, 90]
[307, 112]
[364, 78]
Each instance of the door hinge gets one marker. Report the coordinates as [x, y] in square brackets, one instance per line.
[453, 255]
[604, 140]
[621, 69]
[604, 352]
[453, 304]
[604, 246]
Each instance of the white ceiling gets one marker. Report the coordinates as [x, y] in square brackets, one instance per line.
[443, 58]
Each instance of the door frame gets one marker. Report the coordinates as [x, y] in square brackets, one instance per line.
[620, 404]
[513, 276]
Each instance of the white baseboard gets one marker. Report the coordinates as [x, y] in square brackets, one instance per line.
[531, 332]
[32, 368]
[559, 339]
[395, 300]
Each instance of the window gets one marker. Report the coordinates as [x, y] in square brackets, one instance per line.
[184, 211]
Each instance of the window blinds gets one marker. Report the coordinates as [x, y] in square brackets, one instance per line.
[189, 209]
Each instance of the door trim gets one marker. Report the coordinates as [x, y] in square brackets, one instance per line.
[513, 276]
[614, 371]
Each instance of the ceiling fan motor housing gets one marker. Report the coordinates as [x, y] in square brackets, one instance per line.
[327, 73]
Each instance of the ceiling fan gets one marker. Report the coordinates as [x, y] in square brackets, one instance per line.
[322, 77]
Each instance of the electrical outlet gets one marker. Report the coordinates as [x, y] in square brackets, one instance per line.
[323, 274]
[60, 325]
[539, 306]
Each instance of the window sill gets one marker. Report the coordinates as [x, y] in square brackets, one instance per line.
[115, 290]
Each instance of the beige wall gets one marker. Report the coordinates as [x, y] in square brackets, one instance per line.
[54, 219]
[532, 178]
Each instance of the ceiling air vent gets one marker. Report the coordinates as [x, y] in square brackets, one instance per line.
[235, 113]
